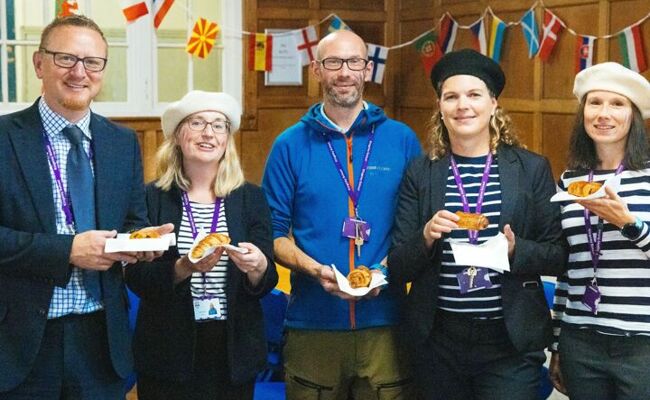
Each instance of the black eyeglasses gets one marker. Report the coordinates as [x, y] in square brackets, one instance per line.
[65, 60]
[335, 64]
[199, 124]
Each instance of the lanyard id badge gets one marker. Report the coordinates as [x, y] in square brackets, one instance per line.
[592, 296]
[354, 227]
[472, 278]
[208, 308]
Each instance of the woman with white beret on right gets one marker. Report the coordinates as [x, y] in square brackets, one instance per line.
[602, 303]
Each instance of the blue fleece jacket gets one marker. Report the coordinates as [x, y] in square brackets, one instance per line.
[308, 198]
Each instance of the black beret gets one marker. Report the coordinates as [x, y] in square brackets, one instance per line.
[468, 62]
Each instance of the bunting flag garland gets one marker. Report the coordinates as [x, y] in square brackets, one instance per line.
[203, 36]
[584, 52]
[307, 42]
[447, 35]
[552, 28]
[630, 43]
[260, 50]
[478, 36]
[160, 8]
[337, 24]
[378, 55]
[134, 9]
[66, 8]
[496, 38]
[531, 32]
[431, 45]
[429, 51]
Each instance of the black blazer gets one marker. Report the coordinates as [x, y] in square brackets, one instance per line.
[164, 343]
[34, 258]
[526, 187]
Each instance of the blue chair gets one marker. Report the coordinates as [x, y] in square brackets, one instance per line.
[546, 387]
[270, 385]
[134, 303]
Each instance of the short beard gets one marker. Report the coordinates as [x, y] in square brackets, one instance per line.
[75, 105]
[344, 102]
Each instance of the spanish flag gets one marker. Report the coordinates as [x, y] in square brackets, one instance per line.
[202, 39]
[260, 50]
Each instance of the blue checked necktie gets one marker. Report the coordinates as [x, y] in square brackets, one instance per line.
[81, 187]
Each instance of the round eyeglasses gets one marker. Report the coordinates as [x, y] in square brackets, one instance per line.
[199, 124]
[335, 64]
[65, 60]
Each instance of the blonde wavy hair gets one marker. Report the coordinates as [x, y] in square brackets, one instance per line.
[501, 131]
[170, 165]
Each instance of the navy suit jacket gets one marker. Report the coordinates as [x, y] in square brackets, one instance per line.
[540, 249]
[34, 258]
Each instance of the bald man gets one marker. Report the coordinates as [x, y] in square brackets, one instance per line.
[332, 181]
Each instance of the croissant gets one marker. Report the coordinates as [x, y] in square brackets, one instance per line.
[210, 241]
[474, 222]
[145, 233]
[583, 188]
[359, 277]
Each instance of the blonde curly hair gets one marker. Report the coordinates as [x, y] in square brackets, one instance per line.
[501, 131]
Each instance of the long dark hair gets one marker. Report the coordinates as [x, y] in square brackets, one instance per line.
[582, 150]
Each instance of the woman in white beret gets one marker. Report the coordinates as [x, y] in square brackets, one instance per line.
[200, 332]
[602, 304]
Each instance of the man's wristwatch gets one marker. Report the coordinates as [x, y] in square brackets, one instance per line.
[632, 230]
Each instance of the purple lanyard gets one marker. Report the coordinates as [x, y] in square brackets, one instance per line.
[354, 195]
[51, 158]
[595, 243]
[190, 217]
[473, 235]
[195, 232]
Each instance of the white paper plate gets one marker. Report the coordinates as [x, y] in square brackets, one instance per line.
[123, 243]
[613, 182]
[344, 285]
[211, 250]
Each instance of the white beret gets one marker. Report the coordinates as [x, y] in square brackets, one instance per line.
[197, 101]
[613, 77]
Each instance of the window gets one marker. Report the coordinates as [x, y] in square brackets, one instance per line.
[134, 84]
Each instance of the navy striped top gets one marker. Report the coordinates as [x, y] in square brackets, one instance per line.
[624, 268]
[483, 303]
[214, 283]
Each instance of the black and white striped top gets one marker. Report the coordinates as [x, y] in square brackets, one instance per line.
[215, 280]
[623, 271]
[484, 303]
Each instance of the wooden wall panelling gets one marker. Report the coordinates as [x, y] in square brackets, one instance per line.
[270, 110]
[557, 131]
[150, 136]
[538, 96]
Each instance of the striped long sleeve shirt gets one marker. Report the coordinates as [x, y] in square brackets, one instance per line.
[623, 272]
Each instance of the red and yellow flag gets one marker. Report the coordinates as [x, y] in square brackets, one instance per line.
[260, 50]
[202, 39]
[65, 8]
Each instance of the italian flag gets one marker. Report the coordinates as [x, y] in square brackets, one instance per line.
[631, 44]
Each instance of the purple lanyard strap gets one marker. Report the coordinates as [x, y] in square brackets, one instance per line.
[354, 195]
[596, 241]
[54, 164]
[473, 235]
[195, 231]
[190, 216]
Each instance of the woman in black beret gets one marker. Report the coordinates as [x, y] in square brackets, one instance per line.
[477, 328]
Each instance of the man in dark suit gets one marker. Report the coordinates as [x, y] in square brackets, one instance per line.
[69, 180]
